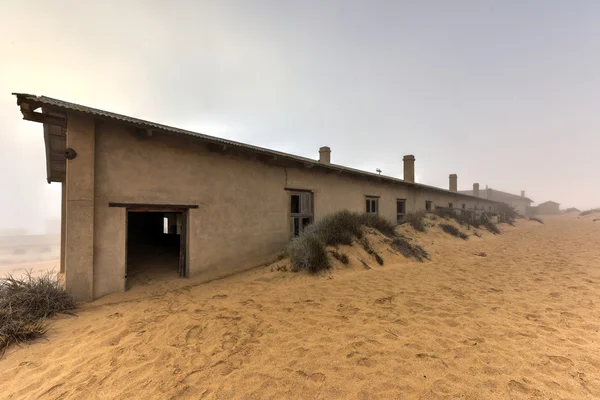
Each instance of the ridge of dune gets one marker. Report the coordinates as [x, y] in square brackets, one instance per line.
[501, 316]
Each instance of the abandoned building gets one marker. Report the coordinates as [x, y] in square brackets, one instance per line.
[547, 208]
[135, 191]
[520, 203]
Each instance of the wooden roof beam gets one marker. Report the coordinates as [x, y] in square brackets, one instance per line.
[43, 118]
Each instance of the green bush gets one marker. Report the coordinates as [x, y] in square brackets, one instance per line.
[26, 302]
[454, 231]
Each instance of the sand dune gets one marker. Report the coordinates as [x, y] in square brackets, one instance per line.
[521, 321]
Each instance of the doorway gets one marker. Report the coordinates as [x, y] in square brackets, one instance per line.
[156, 246]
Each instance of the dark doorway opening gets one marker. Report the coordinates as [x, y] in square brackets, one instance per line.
[156, 246]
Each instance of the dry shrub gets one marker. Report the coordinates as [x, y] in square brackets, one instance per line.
[308, 252]
[379, 223]
[454, 231]
[367, 246]
[490, 226]
[536, 220]
[408, 249]
[416, 220]
[462, 218]
[591, 211]
[26, 302]
[339, 228]
[507, 213]
[341, 257]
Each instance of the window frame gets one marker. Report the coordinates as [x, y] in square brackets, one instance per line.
[400, 215]
[306, 210]
[369, 203]
[428, 205]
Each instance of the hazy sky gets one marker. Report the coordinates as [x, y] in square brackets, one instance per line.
[504, 93]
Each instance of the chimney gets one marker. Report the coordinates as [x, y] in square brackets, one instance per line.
[453, 183]
[476, 189]
[409, 168]
[522, 193]
[325, 155]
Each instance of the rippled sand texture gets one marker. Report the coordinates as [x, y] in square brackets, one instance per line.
[521, 321]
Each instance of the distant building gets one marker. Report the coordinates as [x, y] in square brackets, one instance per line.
[520, 203]
[548, 208]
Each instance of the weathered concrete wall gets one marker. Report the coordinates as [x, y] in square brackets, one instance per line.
[242, 217]
[79, 222]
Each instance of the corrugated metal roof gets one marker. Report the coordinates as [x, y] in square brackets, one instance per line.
[498, 195]
[39, 101]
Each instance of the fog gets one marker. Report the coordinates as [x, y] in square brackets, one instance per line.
[504, 93]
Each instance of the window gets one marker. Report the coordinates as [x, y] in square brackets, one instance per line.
[301, 211]
[464, 206]
[450, 205]
[295, 206]
[372, 205]
[400, 209]
[428, 205]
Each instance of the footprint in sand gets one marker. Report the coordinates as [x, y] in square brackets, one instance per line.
[442, 387]
[532, 317]
[523, 388]
[384, 300]
[193, 335]
[571, 315]
[562, 361]
[315, 377]
[473, 341]
[229, 340]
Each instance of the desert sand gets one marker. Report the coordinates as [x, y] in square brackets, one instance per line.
[34, 268]
[520, 321]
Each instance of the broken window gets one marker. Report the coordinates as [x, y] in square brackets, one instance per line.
[400, 209]
[301, 211]
[450, 205]
[372, 205]
[464, 206]
[295, 209]
[428, 205]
